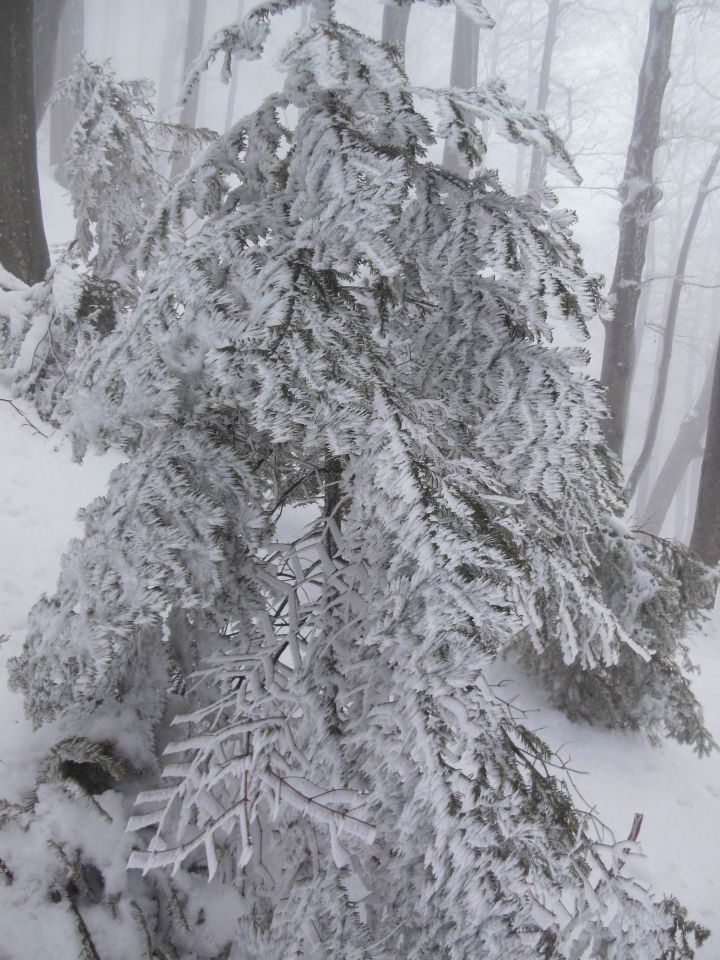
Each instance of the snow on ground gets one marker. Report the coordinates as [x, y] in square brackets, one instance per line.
[677, 792]
[40, 491]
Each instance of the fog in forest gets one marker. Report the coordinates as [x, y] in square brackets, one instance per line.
[594, 53]
[385, 336]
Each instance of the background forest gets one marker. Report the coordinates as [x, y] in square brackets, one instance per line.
[363, 515]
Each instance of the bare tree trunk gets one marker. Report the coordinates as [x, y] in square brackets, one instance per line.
[538, 164]
[394, 28]
[643, 310]
[23, 247]
[687, 446]
[463, 74]
[641, 412]
[494, 57]
[705, 539]
[639, 195]
[46, 28]
[520, 149]
[645, 294]
[167, 92]
[232, 91]
[193, 47]
[682, 493]
[71, 42]
[670, 324]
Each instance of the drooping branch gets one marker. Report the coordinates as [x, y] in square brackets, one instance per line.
[23, 415]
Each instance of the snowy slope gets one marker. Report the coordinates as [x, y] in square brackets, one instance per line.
[41, 490]
[678, 793]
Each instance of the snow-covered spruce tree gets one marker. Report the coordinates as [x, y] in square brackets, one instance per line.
[659, 591]
[113, 163]
[358, 468]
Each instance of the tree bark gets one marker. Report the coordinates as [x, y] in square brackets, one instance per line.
[639, 196]
[538, 164]
[687, 446]
[520, 149]
[23, 247]
[193, 47]
[394, 28]
[46, 28]
[232, 91]
[463, 75]
[167, 91]
[645, 295]
[705, 539]
[670, 324]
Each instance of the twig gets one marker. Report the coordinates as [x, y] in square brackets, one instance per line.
[632, 836]
[24, 416]
[6, 872]
[85, 938]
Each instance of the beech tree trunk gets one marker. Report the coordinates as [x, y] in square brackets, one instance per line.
[394, 27]
[23, 247]
[639, 196]
[232, 89]
[193, 47]
[670, 324]
[705, 539]
[463, 75]
[645, 295]
[538, 164]
[46, 28]
[687, 446]
[71, 43]
[167, 92]
[521, 150]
